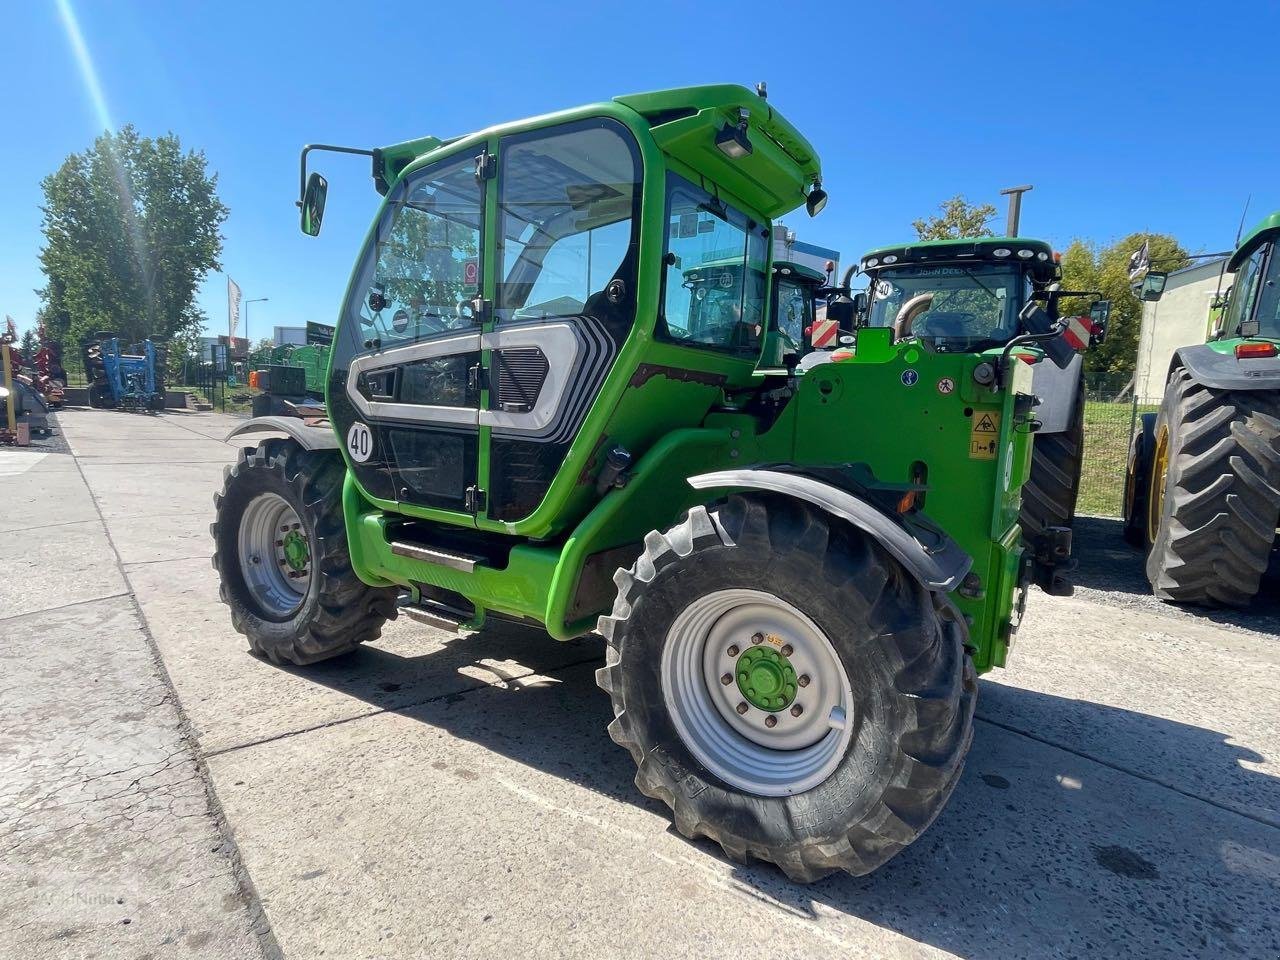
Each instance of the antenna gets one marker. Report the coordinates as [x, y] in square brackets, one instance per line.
[1243, 214]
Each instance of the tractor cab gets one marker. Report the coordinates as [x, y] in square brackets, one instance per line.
[1251, 308]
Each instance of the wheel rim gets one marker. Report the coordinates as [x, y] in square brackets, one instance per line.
[1155, 497]
[275, 555]
[757, 692]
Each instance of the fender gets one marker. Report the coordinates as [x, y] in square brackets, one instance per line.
[930, 555]
[1222, 371]
[312, 437]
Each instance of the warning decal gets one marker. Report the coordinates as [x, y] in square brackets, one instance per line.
[823, 333]
[983, 434]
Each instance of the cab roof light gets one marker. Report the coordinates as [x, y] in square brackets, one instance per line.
[732, 140]
[1255, 350]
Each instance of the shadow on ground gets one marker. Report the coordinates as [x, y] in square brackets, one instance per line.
[1041, 851]
[1109, 565]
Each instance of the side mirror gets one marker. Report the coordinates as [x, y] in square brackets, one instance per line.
[1152, 287]
[859, 306]
[1099, 315]
[313, 198]
[1035, 320]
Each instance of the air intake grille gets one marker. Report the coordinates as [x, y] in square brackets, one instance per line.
[521, 373]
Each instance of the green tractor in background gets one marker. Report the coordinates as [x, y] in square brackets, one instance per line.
[969, 296]
[798, 574]
[1202, 487]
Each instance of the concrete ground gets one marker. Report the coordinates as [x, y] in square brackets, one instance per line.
[440, 796]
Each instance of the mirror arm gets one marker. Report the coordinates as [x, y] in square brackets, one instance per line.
[302, 178]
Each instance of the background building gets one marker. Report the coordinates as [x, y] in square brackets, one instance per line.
[290, 336]
[1179, 318]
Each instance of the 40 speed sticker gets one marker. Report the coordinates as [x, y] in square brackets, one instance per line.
[360, 442]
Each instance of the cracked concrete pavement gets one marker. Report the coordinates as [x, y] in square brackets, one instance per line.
[432, 795]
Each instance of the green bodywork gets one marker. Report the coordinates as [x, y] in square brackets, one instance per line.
[1253, 299]
[963, 450]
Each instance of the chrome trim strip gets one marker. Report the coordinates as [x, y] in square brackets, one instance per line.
[561, 345]
[395, 356]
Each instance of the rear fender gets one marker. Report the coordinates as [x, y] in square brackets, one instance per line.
[310, 436]
[931, 556]
[1223, 371]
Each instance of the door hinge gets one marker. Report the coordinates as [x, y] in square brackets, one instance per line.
[477, 501]
[486, 166]
[477, 378]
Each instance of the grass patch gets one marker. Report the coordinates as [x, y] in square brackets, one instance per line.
[1106, 454]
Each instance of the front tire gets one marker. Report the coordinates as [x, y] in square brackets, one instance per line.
[280, 549]
[763, 573]
[1214, 503]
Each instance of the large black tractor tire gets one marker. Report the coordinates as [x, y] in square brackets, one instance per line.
[100, 396]
[1050, 493]
[335, 611]
[1215, 514]
[1137, 482]
[901, 660]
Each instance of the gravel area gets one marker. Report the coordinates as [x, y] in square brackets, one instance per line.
[1112, 572]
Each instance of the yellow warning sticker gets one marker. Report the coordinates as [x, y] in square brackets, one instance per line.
[983, 434]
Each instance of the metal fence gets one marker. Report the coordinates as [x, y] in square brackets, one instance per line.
[1110, 413]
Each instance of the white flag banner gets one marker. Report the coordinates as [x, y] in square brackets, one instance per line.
[1139, 261]
[233, 307]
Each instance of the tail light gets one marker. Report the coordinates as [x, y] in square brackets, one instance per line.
[1255, 350]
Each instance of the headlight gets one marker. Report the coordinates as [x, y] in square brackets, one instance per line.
[1001, 252]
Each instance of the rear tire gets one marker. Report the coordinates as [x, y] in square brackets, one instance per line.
[1137, 482]
[315, 607]
[1050, 493]
[902, 660]
[1215, 508]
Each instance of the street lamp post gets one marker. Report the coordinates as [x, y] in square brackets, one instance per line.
[249, 342]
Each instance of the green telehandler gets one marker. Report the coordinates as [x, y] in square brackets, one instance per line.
[1202, 487]
[798, 574]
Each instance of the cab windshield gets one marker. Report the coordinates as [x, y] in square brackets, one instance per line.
[954, 308]
[794, 310]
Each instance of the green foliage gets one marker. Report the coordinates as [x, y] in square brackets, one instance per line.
[1087, 266]
[28, 345]
[959, 219]
[131, 229]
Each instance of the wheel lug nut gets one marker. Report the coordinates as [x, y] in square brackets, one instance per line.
[757, 638]
[742, 707]
[797, 710]
[733, 649]
[804, 680]
[771, 721]
[727, 679]
[787, 650]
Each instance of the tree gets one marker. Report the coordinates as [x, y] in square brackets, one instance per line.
[959, 219]
[1087, 266]
[131, 228]
[28, 346]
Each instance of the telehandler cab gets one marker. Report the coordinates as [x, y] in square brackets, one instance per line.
[798, 574]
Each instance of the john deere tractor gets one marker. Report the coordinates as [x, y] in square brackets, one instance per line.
[524, 424]
[1202, 489]
[969, 296]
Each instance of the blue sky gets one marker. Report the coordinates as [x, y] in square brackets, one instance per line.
[1125, 116]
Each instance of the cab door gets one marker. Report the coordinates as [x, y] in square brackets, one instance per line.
[566, 249]
[406, 383]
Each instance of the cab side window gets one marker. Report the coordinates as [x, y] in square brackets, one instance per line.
[566, 221]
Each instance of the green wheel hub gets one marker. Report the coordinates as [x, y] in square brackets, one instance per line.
[766, 678]
[296, 552]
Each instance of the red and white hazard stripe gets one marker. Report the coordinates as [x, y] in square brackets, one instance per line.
[824, 333]
[1079, 333]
